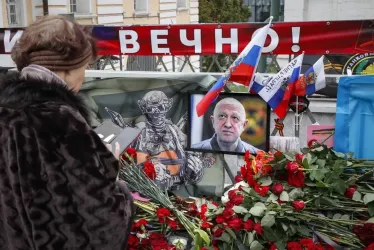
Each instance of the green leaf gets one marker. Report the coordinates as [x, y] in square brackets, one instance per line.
[225, 237]
[321, 163]
[265, 181]
[255, 245]
[345, 217]
[273, 234]
[296, 193]
[304, 230]
[272, 197]
[357, 196]
[250, 238]
[337, 216]
[284, 227]
[338, 154]
[247, 189]
[271, 213]
[284, 196]
[371, 208]
[368, 198]
[289, 156]
[319, 149]
[204, 235]
[257, 211]
[247, 216]
[268, 221]
[340, 186]
[198, 241]
[232, 234]
[260, 204]
[240, 210]
[371, 220]
[281, 244]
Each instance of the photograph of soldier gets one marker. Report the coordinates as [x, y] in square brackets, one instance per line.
[234, 123]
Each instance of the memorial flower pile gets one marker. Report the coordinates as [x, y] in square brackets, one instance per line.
[317, 199]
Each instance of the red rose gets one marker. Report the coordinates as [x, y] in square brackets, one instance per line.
[133, 241]
[313, 143]
[292, 167]
[203, 209]
[149, 170]
[250, 180]
[299, 158]
[131, 152]
[262, 190]
[298, 205]
[235, 224]
[349, 192]
[258, 228]
[277, 188]
[249, 225]
[236, 199]
[228, 213]
[278, 154]
[273, 247]
[294, 246]
[296, 179]
[162, 213]
[266, 169]
[218, 232]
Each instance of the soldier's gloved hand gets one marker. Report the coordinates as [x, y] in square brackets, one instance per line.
[194, 169]
[162, 174]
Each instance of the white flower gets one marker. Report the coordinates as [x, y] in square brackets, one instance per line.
[180, 243]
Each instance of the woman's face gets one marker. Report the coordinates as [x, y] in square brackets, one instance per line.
[74, 78]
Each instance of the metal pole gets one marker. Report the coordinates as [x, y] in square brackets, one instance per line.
[45, 7]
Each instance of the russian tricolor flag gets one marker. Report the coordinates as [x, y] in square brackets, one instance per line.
[241, 71]
[312, 80]
[278, 89]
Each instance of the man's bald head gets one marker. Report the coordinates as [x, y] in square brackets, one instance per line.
[229, 121]
[230, 101]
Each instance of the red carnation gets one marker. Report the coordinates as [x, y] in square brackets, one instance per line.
[249, 225]
[296, 179]
[294, 246]
[236, 199]
[149, 170]
[235, 224]
[277, 188]
[292, 167]
[349, 192]
[141, 222]
[133, 241]
[162, 213]
[299, 158]
[298, 205]
[262, 190]
[203, 209]
[172, 223]
[258, 228]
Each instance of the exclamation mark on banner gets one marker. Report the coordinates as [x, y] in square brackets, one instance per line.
[295, 39]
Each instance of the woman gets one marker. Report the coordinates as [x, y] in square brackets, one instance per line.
[57, 179]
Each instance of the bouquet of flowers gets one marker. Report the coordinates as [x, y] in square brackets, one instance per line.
[320, 199]
[164, 214]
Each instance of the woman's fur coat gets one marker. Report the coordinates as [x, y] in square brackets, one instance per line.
[57, 179]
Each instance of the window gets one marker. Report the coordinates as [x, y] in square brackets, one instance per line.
[14, 12]
[141, 5]
[73, 6]
[80, 6]
[181, 4]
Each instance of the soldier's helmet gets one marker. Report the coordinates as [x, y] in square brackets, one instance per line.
[155, 102]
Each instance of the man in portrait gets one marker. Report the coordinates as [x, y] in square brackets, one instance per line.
[229, 121]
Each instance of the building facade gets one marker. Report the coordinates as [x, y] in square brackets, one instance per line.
[21, 13]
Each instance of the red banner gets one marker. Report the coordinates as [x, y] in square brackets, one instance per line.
[330, 37]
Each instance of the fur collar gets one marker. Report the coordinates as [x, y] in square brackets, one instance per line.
[16, 93]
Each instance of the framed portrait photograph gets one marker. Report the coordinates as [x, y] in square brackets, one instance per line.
[233, 124]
